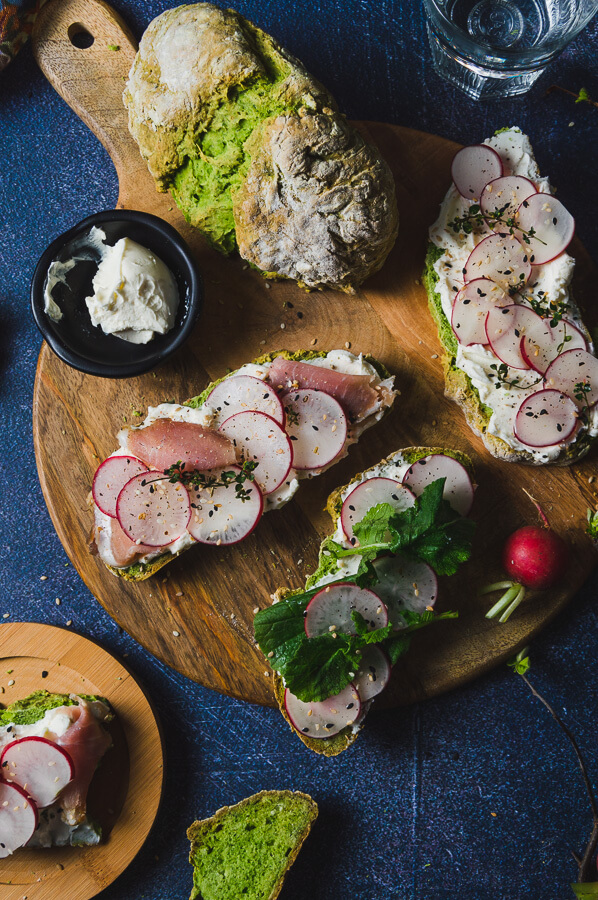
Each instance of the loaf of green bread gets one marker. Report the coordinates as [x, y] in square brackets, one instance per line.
[255, 152]
[245, 850]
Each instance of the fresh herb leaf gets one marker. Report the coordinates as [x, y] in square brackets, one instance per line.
[592, 526]
[430, 530]
[397, 647]
[521, 662]
[366, 636]
[322, 666]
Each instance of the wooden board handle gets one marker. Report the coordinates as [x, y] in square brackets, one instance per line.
[90, 78]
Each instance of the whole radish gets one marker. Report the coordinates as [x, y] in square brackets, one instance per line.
[534, 557]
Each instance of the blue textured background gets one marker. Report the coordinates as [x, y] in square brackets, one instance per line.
[409, 812]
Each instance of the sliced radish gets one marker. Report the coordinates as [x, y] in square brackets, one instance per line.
[506, 328]
[405, 585]
[317, 426]
[110, 479]
[258, 437]
[471, 306]
[458, 489]
[571, 368]
[505, 195]
[370, 493]
[39, 766]
[220, 516]
[241, 393]
[502, 259]
[545, 418]
[473, 167]
[325, 718]
[153, 511]
[554, 227]
[373, 674]
[18, 818]
[330, 610]
[541, 348]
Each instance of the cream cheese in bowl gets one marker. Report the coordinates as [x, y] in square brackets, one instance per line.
[117, 294]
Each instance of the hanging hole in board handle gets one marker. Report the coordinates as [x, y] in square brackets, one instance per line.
[79, 36]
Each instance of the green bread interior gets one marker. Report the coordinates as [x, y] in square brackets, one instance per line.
[243, 853]
[218, 158]
[34, 707]
[445, 331]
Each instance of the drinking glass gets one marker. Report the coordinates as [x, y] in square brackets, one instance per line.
[498, 48]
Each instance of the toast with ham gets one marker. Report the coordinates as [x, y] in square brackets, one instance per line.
[204, 471]
[64, 735]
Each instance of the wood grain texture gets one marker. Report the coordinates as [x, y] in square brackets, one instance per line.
[125, 793]
[208, 594]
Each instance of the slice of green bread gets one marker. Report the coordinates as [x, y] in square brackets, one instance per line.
[34, 707]
[243, 852]
[334, 745]
[142, 570]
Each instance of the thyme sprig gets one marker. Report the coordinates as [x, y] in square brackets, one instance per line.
[203, 481]
[501, 374]
[475, 217]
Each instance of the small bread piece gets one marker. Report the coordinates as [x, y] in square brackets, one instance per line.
[334, 745]
[255, 152]
[246, 850]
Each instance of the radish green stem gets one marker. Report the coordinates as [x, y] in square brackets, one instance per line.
[497, 586]
[512, 596]
[586, 864]
[545, 521]
[517, 600]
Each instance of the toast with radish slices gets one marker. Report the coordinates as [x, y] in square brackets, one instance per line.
[332, 645]
[204, 471]
[517, 357]
[50, 747]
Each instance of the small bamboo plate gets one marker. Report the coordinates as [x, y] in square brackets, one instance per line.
[125, 792]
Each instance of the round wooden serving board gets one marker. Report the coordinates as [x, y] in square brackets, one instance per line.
[197, 613]
[125, 793]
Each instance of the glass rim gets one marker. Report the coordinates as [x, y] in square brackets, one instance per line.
[540, 54]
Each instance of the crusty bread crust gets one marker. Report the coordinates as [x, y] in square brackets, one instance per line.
[196, 831]
[458, 387]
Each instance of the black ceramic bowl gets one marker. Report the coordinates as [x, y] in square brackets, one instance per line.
[84, 346]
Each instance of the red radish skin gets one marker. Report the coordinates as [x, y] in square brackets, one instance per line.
[110, 479]
[535, 557]
[39, 766]
[473, 167]
[18, 818]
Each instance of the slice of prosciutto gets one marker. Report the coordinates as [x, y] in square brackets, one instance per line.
[113, 545]
[86, 742]
[355, 393]
[166, 442]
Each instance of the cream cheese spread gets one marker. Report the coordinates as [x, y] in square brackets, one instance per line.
[550, 281]
[135, 295]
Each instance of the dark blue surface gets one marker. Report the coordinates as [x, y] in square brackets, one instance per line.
[408, 813]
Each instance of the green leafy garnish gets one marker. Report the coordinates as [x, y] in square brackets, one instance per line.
[430, 530]
[315, 668]
[521, 662]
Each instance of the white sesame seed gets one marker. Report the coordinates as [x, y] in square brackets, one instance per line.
[256, 610]
[11, 682]
[176, 633]
[58, 601]
[43, 578]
